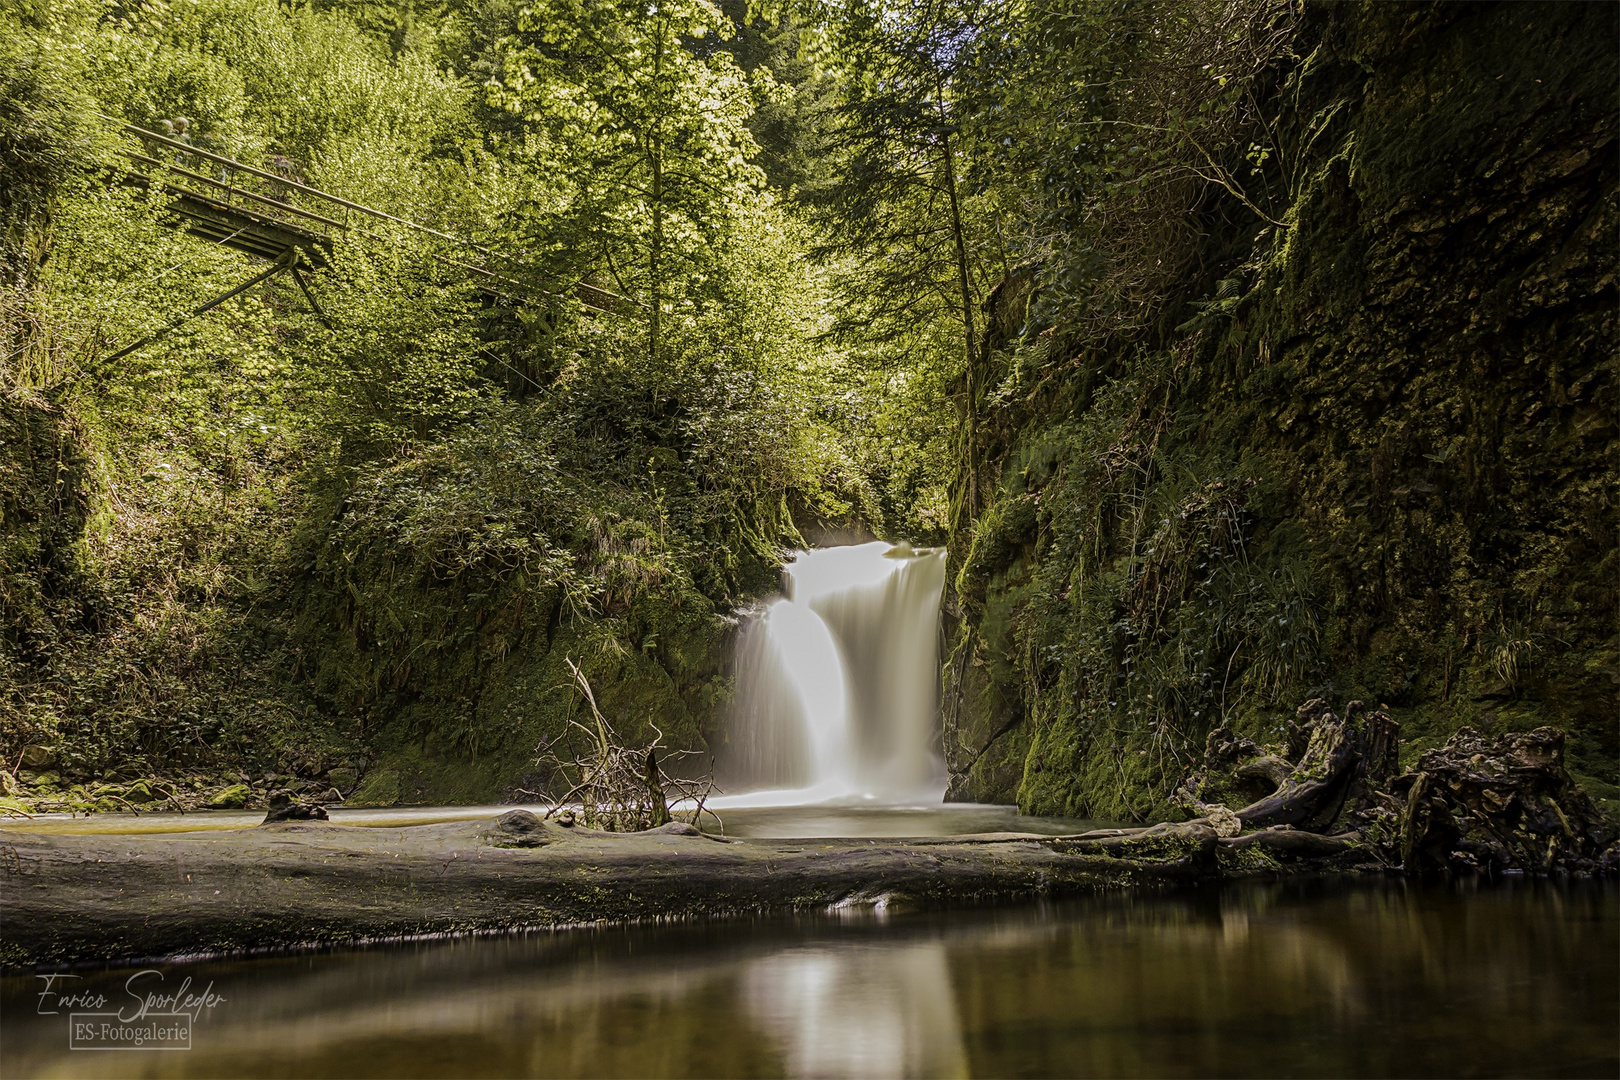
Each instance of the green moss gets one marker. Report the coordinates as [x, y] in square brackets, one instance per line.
[1384, 471]
[233, 797]
[381, 787]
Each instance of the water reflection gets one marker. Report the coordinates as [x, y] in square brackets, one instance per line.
[856, 1010]
[1295, 979]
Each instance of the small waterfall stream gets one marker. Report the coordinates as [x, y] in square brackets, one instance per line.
[838, 682]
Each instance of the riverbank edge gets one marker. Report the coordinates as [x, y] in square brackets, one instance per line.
[71, 899]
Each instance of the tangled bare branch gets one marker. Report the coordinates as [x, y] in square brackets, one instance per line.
[618, 788]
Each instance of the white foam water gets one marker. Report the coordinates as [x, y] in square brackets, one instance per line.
[838, 683]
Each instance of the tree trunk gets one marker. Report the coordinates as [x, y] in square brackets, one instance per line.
[969, 336]
[655, 160]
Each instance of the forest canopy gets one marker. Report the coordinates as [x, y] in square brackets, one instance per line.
[622, 301]
[579, 408]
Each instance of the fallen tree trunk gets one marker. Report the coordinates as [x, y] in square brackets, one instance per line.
[1295, 843]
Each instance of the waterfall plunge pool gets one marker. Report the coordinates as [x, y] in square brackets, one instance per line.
[837, 731]
[809, 821]
[1304, 977]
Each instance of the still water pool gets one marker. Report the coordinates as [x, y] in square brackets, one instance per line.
[1314, 977]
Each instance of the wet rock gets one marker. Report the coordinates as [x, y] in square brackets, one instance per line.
[519, 828]
[330, 795]
[284, 808]
[233, 797]
[518, 821]
[140, 793]
[38, 757]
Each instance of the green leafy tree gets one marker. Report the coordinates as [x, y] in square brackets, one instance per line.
[652, 137]
[910, 242]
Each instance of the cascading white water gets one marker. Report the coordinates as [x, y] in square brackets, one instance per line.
[838, 682]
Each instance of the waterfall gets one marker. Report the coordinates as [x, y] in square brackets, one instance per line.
[838, 681]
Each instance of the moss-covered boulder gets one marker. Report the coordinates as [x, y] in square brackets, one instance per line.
[233, 797]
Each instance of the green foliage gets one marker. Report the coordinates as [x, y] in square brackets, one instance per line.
[651, 136]
[1241, 352]
[45, 143]
[276, 538]
[1270, 425]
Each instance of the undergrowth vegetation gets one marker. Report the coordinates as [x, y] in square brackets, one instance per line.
[1242, 351]
[366, 521]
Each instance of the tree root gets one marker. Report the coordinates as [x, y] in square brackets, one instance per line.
[1475, 805]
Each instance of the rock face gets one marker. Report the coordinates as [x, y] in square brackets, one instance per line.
[1371, 450]
[83, 897]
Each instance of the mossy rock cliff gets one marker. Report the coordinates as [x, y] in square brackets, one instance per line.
[1369, 451]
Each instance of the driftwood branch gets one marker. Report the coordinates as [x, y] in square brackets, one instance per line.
[1271, 767]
